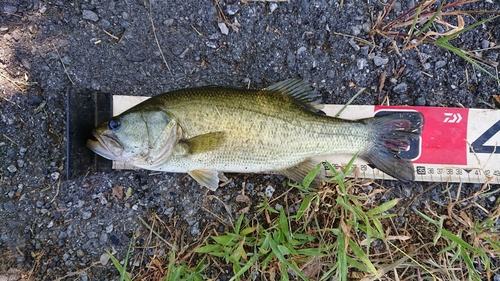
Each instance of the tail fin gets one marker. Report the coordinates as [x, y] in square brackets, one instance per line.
[391, 135]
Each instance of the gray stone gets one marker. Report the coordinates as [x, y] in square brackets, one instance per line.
[214, 36]
[356, 30]
[361, 63]
[440, 64]
[232, 9]
[379, 61]
[223, 28]
[211, 44]
[301, 50]
[80, 253]
[86, 215]
[354, 45]
[109, 228]
[9, 206]
[485, 44]
[168, 22]
[105, 24]
[12, 168]
[273, 7]
[365, 50]
[269, 191]
[89, 15]
[17, 34]
[420, 101]
[9, 9]
[55, 175]
[195, 230]
[401, 88]
[103, 239]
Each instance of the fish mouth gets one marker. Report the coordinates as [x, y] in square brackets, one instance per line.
[105, 145]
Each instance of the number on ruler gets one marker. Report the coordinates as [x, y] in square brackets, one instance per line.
[478, 145]
[420, 170]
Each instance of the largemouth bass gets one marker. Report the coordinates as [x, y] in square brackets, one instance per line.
[209, 130]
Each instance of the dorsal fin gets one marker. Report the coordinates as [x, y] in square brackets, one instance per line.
[300, 91]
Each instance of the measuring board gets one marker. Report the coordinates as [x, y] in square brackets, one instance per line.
[457, 144]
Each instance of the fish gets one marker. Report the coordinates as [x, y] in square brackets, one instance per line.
[211, 130]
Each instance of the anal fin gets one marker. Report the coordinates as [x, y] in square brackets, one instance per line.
[298, 172]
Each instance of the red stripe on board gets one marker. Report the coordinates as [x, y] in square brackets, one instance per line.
[444, 134]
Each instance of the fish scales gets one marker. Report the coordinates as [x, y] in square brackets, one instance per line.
[265, 131]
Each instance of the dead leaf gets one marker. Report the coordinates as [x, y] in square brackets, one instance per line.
[243, 198]
[243, 211]
[496, 97]
[118, 191]
[235, 25]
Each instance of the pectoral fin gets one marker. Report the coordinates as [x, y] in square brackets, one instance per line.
[298, 172]
[206, 177]
[205, 142]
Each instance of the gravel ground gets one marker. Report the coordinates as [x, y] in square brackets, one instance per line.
[51, 227]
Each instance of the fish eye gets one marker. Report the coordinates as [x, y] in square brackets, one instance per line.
[114, 124]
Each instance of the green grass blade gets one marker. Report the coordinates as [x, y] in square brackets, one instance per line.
[119, 267]
[350, 101]
[342, 258]
[360, 254]
[457, 240]
[283, 260]
[304, 206]
[306, 182]
[382, 208]
[210, 248]
[415, 19]
[431, 20]
[238, 223]
[444, 43]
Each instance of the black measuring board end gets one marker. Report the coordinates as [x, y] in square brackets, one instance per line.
[85, 109]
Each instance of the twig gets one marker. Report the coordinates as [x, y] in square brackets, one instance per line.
[156, 233]
[156, 37]
[111, 35]
[9, 139]
[361, 40]
[64, 66]
[57, 191]
[14, 103]
[12, 81]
